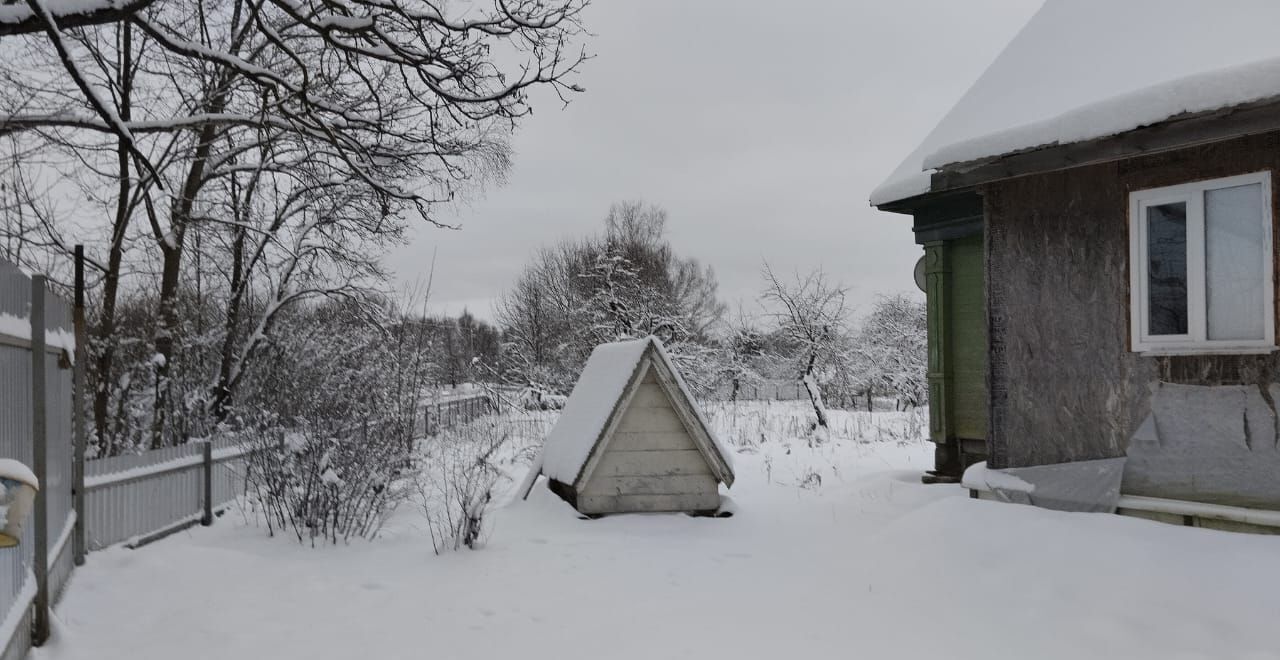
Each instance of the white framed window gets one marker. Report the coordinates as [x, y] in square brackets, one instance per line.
[1201, 267]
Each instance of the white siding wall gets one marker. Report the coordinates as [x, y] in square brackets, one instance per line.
[651, 463]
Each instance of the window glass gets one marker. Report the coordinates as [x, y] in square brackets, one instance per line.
[1167, 269]
[1234, 271]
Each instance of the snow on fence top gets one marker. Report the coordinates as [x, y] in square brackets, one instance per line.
[1085, 69]
[15, 310]
[20, 328]
[593, 401]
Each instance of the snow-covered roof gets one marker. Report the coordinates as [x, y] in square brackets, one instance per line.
[1085, 69]
[596, 396]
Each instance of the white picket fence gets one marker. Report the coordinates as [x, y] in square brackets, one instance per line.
[133, 498]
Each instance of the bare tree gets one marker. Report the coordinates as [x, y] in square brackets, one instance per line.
[810, 312]
[292, 139]
[28, 16]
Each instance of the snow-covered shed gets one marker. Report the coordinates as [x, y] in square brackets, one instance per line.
[631, 438]
[1098, 220]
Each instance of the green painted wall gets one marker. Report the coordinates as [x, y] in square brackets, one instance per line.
[957, 339]
[967, 339]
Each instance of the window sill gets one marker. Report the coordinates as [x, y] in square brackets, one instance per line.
[1206, 351]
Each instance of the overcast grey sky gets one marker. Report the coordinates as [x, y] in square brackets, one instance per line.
[760, 126]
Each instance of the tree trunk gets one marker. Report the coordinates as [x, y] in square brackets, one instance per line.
[171, 245]
[115, 255]
[811, 386]
[222, 390]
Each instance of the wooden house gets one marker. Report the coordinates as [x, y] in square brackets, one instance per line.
[632, 439]
[1098, 219]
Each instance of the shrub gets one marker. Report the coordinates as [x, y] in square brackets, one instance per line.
[328, 486]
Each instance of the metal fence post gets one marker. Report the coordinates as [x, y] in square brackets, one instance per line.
[40, 460]
[78, 404]
[207, 451]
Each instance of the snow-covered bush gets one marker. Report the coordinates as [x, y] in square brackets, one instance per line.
[327, 486]
[534, 397]
[462, 469]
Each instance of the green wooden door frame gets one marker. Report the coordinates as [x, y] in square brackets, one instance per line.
[935, 276]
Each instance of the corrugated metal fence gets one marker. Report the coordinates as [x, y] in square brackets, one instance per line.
[17, 427]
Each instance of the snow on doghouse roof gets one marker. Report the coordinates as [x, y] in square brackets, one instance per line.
[597, 393]
[1086, 69]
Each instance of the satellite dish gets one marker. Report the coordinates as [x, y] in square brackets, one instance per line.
[920, 275]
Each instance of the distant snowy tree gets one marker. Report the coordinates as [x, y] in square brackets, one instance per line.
[743, 356]
[624, 283]
[893, 347]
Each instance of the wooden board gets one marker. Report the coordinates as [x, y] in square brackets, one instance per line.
[652, 463]
[651, 485]
[708, 501]
[638, 441]
[650, 395]
[650, 420]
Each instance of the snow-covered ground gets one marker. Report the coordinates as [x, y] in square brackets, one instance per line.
[835, 551]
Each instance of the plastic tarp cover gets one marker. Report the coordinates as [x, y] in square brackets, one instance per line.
[1090, 486]
[1215, 444]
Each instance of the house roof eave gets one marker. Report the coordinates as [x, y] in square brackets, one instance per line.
[1180, 132]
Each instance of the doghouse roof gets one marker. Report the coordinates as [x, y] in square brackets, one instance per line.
[600, 396]
[1086, 69]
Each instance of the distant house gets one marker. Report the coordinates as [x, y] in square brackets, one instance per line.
[1098, 218]
[632, 439]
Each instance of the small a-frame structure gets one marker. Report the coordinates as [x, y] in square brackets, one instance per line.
[631, 438]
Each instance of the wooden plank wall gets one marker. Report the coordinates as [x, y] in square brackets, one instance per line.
[1063, 384]
[651, 463]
